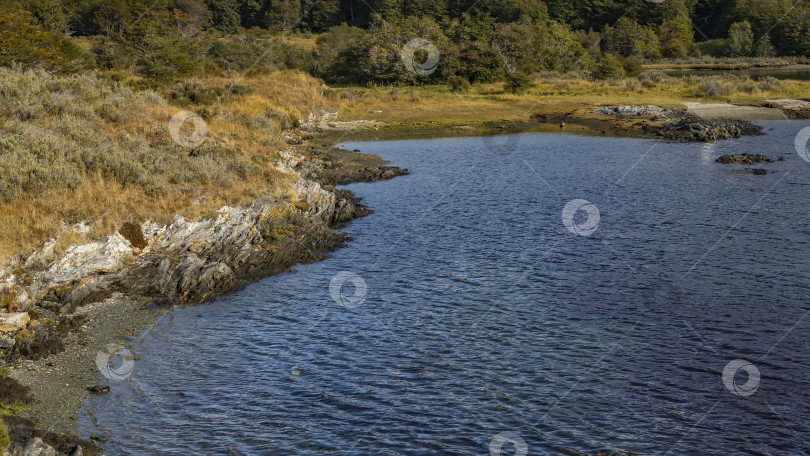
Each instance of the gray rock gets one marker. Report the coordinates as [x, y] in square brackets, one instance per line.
[36, 447]
[12, 323]
[631, 110]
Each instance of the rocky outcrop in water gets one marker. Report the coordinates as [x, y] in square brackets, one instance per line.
[679, 125]
[691, 128]
[331, 166]
[669, 123]
[743, 159]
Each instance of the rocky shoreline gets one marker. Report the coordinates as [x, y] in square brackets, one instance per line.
[62, 309]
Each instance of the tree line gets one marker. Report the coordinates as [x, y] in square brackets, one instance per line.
[358, 41]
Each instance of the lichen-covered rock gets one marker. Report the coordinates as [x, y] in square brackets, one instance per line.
[85, 260]
[636, 111]
[12, 323]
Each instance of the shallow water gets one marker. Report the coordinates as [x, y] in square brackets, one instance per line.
[484, 314]
[796, 72]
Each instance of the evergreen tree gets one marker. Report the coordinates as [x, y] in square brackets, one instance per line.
[224, 14]
[283, 15]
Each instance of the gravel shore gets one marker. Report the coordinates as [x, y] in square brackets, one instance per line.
[59, 382]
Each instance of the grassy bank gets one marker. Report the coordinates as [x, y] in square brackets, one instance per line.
[94, 148]
[438, 106]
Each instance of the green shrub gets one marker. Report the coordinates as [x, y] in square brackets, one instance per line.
[238, 89]
[675, 49]
[24, 42]
[770, 83]
[715, 48]
[132, 233]
[195, 92]
[713, 88]
[285, 121]
[458, 83]
[608, 67]
[633, 85]
[517, 82]
[631, 66]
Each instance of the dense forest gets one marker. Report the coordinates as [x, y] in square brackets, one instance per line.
[359, 41]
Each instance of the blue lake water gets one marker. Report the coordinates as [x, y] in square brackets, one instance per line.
[484, 314]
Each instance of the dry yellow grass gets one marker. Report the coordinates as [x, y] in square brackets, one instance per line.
[305, 42]
[437, 105]
[238, 168]
[27, 222]
[67, 239]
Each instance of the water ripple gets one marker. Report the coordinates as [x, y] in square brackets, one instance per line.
[484, 314]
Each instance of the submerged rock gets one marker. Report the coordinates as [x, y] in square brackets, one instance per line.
[98, 389]
[756, 171]
[743, 159]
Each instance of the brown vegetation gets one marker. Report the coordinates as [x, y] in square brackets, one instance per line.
[83, 148]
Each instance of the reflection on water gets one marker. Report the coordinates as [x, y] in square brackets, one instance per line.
[486, 323]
